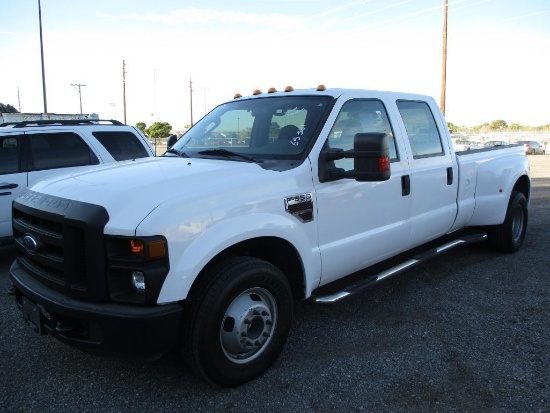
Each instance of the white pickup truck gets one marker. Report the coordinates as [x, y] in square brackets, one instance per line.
[267, 199]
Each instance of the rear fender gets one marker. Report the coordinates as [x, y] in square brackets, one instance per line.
[496, 179]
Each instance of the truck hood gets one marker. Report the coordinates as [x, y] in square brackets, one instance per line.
[147, 183]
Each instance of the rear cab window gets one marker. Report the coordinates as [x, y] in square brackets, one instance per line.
[121, 145]
[422, 131]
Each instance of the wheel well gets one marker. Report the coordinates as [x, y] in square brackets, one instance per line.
[523, 185]
[276, 251]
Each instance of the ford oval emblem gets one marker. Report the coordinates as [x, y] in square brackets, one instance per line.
[31, 244]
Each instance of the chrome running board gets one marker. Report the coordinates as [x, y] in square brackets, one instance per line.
[368, 282]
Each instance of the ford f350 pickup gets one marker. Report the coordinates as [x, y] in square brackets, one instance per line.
[268, 199]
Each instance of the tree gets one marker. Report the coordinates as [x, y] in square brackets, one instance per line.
[515, 126]
[499, 124]
[141, 126]
[158, 130]
[452, 127]
[7, 108]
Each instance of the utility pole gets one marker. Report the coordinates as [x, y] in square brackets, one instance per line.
[444, 64]
[42, 57]
[191, 99]
[124, 88]
[78, 87]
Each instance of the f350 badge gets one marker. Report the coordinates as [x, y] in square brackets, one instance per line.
[301, 206]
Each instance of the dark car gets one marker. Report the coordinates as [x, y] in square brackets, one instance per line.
[533, 148]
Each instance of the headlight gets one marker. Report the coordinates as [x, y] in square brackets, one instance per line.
[136, 268]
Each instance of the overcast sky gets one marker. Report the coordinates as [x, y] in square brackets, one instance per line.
[498, 54]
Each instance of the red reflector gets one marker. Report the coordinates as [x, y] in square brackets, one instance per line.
[383, 164]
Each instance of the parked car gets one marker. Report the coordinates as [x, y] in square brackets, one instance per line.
[495, 143]
[533, 148]
[465, 145]
[34, 150]
[461, 145]
[475, 145]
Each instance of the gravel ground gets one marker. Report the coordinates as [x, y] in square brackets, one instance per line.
[466, 332]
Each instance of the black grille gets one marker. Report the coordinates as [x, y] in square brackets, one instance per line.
[60, 244]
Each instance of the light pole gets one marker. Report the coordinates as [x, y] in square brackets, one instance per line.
[42, 57]
[444, 63]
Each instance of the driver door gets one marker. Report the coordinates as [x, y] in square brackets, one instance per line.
[361, 223]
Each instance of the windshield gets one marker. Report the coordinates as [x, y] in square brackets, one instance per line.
[271, 128]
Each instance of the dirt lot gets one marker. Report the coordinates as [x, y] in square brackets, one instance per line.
[466, 332]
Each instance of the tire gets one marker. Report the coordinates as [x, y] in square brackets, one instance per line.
[237, 321]
[509, 236]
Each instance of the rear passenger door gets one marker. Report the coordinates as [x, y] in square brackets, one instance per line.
[13, 179]
[56, 153]
[433, 173]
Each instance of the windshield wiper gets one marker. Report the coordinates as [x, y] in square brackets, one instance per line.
[179, 153]
[229, 154]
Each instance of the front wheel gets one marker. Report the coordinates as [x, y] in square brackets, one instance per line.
[509, 236]
[237, 321]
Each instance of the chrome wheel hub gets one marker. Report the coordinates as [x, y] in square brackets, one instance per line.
[248, 324]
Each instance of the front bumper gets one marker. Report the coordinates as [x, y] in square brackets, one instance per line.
[110, 327]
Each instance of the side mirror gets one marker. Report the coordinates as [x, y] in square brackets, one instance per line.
[172, 139]
[371, 155]
[372, 162]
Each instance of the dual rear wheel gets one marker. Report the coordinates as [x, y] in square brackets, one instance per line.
[509, 236]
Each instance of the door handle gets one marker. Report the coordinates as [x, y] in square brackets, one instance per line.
[8, 186]
[450, 176]
[405, 185]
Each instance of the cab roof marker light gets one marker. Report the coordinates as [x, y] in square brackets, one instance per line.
[271, 90]
[289, 89]
[257, 92]
[237, 96]
[321, 88]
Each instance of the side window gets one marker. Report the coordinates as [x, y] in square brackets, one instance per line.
[360, 116]
[60, 150]
[122, 145]
[9, 154]
[421, 128]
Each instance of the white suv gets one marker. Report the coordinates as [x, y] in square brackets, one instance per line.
[31, 151]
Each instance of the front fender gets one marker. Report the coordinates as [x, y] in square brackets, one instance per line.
[189, 255]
